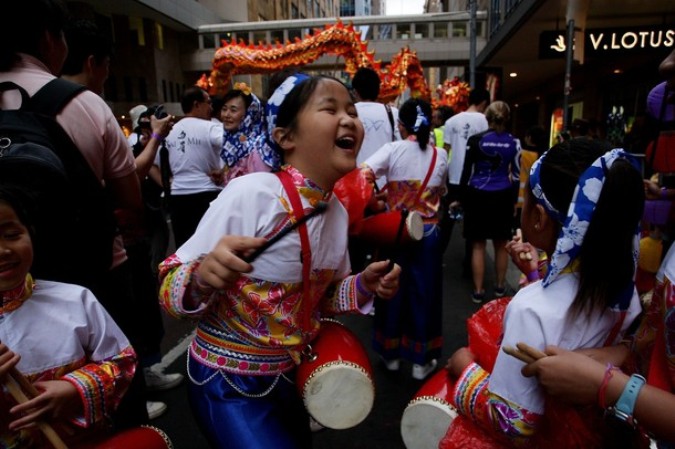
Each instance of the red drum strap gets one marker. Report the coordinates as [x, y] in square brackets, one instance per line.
[298, 212]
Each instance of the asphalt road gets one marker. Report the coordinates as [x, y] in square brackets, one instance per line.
[381, 429]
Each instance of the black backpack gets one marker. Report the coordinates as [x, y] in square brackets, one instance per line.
[72, 214]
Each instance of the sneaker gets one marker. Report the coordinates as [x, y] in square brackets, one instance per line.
[155, 409]
[392, 365]
[500, 292]
[155, 380]
[420, 372]
[477, 298]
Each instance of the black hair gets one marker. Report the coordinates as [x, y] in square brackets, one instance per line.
[479, 95]
[611, 232]
[297, 98]
[23, 25]
[190, 95]
[366, 83]
[539, 139]
[84, 39]
[277, 79]
[446, 112]
[580, 126]
[407, 115]
[234, 93]
[22, 203]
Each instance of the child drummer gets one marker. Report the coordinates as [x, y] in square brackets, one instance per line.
[255, 319]
[61, 338]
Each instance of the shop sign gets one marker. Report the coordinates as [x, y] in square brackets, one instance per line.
[609, 41]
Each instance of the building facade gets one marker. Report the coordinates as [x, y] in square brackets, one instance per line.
[153, 38]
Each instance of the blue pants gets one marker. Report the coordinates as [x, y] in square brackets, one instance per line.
[230, 420]
[410, 324]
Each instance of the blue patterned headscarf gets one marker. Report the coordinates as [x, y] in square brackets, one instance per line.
[268, 148]
[239, 143]
[579, 214]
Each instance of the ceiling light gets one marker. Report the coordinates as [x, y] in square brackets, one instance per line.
[513, 74]
[617, 71]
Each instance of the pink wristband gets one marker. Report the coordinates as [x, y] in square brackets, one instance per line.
[533, 276]
[157, 136]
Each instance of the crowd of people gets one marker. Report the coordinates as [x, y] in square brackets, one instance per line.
[264, 251]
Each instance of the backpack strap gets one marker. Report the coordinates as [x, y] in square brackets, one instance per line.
[8, 85]
[53, 96]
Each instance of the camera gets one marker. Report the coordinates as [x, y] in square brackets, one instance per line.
[156, 110]
[160, 112]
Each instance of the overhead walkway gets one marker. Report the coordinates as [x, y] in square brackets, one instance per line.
[440, 39]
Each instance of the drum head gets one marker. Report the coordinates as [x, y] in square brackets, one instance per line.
[425, 422]
[415, 226]
[339, 395]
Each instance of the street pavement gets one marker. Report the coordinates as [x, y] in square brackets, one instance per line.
[381, 429]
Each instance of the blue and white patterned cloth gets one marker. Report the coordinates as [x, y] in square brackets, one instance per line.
[239, 144]
[580, 212]
[265, 144]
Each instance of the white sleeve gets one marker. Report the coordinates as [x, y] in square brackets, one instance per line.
[521, 324]
[380, 160]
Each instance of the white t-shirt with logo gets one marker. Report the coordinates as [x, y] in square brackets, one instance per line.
[456, 133]
[194, 151]
[377, 127]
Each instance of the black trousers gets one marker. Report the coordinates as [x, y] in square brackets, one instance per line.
[186, 212]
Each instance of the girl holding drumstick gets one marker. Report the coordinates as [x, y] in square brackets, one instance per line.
[255, 319]
[583, 208]
[60, 337]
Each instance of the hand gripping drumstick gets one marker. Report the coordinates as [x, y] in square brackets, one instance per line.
[524, 353]
[525, 255]
[318, 209]
[15, 382]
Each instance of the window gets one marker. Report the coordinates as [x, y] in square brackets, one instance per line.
[293, 33]
[460, 29]
[421, 30]
[441, 30]
[159, 35]
[403, 31]
[225, 37]
[277, 36]
[137, 32]
[294, 12]
[259, 37]
[208, 41]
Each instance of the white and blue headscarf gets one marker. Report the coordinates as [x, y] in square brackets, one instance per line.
[239, 143]
[579, 214]
[265, 144]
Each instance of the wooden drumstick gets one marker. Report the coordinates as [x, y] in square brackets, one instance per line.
[524, 352]
[318, 209]
[529, 350]
[513, 352]
[14, 382]
[399, 235]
